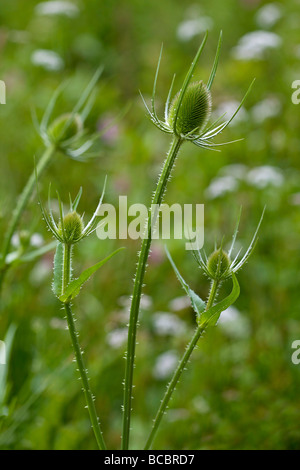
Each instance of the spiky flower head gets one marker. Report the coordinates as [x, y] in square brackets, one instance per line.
[187, 115]
[65, 127]
[70, 228]
[67, 132]
[194, 111]
[218, 264]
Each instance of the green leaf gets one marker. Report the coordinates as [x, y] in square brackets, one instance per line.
[32, 255]
[188, 79]
[74, 287]
[211, 316]
[74, 205]
[58, 270]
[215, 64]
[197, 303]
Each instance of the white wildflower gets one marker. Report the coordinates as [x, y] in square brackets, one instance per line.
[168, 324]
[165, 365]
[255, 44]
[55, 8]
[47, 59]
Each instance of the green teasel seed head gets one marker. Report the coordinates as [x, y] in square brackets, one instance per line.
[218, 264]
[65, 127]
[72, 227]
[194, 110]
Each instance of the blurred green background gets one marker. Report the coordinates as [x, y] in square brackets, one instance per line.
[241, 390]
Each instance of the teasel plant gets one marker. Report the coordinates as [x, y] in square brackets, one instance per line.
[218, 267]
[186, 119]
[66, 135]
[68, 232]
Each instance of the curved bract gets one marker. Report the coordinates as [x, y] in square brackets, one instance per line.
[70, 228]
[187, 115]
[218, 265]
[67, 132]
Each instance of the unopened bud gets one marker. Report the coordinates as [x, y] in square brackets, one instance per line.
[72, 227]
[65, 127]
[194, 110]
[218, 264]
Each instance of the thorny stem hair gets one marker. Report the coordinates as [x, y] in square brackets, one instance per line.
[206, 314]
[69, 231]
[179, 369]
[202, 137]
[78, 147]
[90, 404]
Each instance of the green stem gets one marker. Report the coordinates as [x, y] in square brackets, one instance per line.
[67, 266]
[77, 351]
[84, 378]
[138, 283]
[180, 368]
[21, 206]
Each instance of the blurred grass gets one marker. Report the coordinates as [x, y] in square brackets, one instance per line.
[241, 390]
